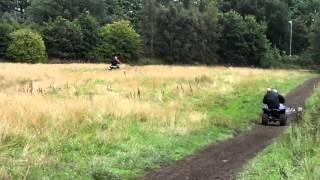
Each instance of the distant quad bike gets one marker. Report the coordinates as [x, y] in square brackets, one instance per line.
[274, 115]
[113, 68]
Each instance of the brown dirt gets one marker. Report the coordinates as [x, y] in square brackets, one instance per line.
[223, 160]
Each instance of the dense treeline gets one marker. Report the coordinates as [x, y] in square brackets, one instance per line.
[229, 32]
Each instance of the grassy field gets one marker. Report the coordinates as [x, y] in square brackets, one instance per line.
[295, 155]
[82, 122]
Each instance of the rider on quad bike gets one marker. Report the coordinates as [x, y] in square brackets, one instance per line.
[115, 62]
[274, 108]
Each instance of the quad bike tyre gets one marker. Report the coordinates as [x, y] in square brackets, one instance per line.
[265, 119]
[283, 120]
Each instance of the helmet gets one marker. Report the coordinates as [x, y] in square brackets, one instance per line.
[275, 90]
[269, 90]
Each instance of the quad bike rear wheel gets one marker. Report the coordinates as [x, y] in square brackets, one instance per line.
[283, 120]
[265, 119]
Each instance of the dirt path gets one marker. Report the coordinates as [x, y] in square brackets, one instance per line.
[223, 160]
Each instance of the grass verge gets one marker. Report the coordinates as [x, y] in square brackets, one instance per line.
[296, 154]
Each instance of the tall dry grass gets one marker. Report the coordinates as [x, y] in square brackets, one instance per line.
[37, 101]
[27, 103]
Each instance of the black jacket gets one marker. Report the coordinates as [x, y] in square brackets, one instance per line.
[282, 100]
[273, 100]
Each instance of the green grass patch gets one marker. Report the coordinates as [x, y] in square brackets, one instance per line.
[296, 154]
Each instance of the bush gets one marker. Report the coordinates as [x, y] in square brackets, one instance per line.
[118, 37]
[295, 61]
[26, 46]
[63, 39]
[272, 58]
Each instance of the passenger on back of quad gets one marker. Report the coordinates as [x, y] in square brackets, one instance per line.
[274, 109]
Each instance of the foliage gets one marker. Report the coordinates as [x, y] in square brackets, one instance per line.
[305, 11]
[303, 15]
[273, 12]
[118, 37]
[300, 36]
[315, 48]
[181, 35]
[149, 24]
[42, 11]
[6, 6]
[63, 39]
[89, 29]
[124, 9]
[302, 61]
[5, 29]
[26, 46]
[180, 31]
[272, 58]
[16, 7]
[242, 41]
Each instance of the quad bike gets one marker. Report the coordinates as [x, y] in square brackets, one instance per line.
[113, 68]
[274, 115]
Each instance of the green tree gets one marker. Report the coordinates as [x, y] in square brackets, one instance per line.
[208, 31]
[302, 13]
[186, 35]
[149, 25]
[7, 6]
[26, 46]
[304, 10]
[300, 36]
[243, 41]
[124, 9]
[89, 28]
[5, 29]
[315, 42]
[63, 39]
[232, 43]
[14, 9]
[41, 11]
[118, 37]
[272, 12]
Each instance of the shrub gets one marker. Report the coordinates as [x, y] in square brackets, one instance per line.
[26, 46]
[272, 58]
[118, 37]
[302, 61]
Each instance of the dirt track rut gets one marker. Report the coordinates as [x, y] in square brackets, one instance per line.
[222, 160]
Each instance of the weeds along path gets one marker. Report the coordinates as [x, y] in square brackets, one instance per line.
[222, 160]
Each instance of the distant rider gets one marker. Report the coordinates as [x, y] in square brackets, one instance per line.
[115, 62]
[274, 100]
